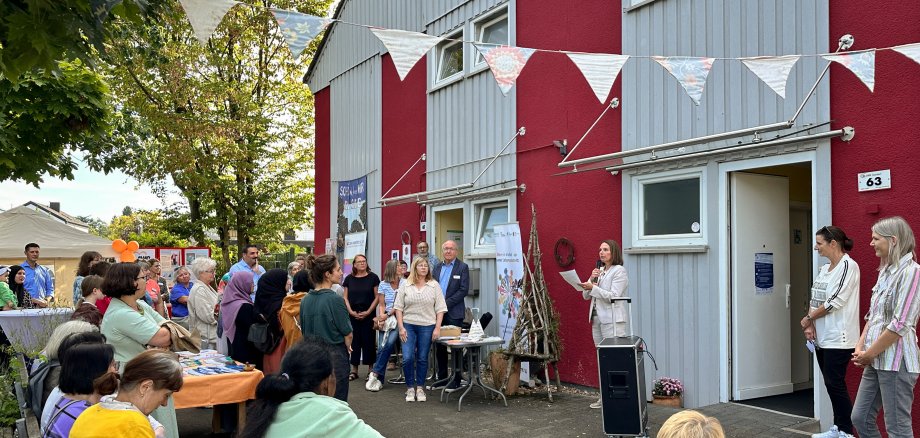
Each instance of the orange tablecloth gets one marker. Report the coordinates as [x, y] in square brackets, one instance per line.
[217, 389]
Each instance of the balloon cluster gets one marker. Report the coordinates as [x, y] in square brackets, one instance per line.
[125, 250]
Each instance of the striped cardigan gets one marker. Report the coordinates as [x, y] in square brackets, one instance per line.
[895, 306]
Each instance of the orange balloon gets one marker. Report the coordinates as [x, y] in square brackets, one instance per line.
[127, 256]
[133, 246]
[119, 245]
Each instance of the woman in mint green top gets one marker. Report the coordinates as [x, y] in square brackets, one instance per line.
[7, 297]
[131, 326]
[298, 402]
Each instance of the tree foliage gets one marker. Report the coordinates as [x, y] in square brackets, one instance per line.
[149, 228]
[229, 124]
[97, 227]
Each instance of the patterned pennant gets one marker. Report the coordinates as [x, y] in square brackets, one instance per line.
[405, 47]
[862, 64]
[911, 51]
[299, 29]
[506, 63]
[772, 70]
[205, 15]
[599, 70]
[690, 72]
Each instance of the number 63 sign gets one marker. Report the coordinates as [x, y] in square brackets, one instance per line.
[878, 180]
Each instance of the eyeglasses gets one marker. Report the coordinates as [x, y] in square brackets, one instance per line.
[142, 278]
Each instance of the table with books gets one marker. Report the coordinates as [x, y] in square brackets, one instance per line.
[211, 378]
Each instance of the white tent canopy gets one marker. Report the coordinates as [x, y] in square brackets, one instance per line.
[21, 225]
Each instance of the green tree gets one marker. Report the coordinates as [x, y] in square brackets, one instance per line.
[147, 227]
[229, 124]
[97, 227]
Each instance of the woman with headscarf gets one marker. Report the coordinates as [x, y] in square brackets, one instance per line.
[237, 314]
[17, 284]
[272, 289]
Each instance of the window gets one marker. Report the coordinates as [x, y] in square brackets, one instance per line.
[450, 58]
[492, 30]
[668, 209]
[487, 216]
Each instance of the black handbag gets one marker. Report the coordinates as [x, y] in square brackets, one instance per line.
[261, 336]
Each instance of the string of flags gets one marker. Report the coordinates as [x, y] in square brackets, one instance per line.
[600, 70]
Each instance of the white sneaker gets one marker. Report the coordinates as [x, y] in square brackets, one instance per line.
[833, 432]
[845, 435]
[420, 394]
[373, 383]
[410, 395]
[596, 405]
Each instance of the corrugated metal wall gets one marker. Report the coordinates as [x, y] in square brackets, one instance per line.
[355, 102]
[678, 293]
[469, 121]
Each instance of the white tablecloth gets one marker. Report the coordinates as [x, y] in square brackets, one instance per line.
[29, 329]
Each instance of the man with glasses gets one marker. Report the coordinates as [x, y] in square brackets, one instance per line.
[422, 248]
[454, 277]
[249, 262]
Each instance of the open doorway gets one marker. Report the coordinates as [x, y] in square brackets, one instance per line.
[448, 225]
[771, 272]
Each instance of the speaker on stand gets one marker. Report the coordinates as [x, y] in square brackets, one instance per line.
[621, 364]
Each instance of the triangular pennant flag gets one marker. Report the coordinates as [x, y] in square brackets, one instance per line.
[911, 51]
[690, 72]
[600, 70]
[772, 70]
[205, 15]
[405, 47]
[862, 64]
[299, 29]
[506, 63]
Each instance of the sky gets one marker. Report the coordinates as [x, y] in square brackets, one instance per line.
[88, 194]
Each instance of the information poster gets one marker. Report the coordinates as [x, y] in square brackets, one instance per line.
[509, 263]
[190, 254]
[170, 260]
[145, 254]
[763, 273]
[355, 243]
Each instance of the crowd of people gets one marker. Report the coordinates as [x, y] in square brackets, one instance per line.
[309, 328]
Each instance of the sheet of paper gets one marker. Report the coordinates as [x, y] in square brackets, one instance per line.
[571, 277]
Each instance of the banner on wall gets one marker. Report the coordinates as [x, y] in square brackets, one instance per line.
[509, 263]
[145, 254]
[170, 260]
[355, 243]
[352, 216]
[190, 254]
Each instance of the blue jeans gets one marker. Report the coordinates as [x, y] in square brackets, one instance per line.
[415, 353]
[384, 351]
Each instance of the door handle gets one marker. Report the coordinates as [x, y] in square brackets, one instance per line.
[788, 295]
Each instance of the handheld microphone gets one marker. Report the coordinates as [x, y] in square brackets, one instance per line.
[597, 265]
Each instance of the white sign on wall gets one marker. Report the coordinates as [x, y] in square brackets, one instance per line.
[877, 180]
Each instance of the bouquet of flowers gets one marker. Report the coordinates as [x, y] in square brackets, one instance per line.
[667, 387]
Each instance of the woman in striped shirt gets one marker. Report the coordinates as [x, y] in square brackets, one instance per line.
[887, 350]
[419, 306]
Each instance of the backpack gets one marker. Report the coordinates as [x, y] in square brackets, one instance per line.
[290, 318]
[37, 384]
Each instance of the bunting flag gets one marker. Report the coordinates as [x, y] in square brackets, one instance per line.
[862, 64]
[600, 70]
[205, 15]
[405, 47]
[911, 51]
[690, 72]
[299, 29]
[506, 63]
[772, 70]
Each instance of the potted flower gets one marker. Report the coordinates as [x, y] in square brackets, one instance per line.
[667, 391]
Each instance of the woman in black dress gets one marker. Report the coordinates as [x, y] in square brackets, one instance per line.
[361, 302]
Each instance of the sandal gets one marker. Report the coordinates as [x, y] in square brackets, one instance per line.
[352, 376]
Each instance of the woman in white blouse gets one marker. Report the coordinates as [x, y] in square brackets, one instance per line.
[608, 319]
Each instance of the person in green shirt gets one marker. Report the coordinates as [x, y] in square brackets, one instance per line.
[7, 297]
[323, 314]
[297, 402]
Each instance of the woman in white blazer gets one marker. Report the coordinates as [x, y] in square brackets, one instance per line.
[607, 319]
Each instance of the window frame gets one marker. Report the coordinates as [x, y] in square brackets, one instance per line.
[439, 55]
[638, 183]
[478, 222]
[478, 63]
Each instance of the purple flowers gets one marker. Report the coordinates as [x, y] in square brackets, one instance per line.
[667, 386]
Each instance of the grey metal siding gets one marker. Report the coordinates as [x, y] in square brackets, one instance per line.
[355, 101]
[349, 45]
[677, 310]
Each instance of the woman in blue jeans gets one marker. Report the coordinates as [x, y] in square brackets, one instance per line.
[386, 337]
[419, 307]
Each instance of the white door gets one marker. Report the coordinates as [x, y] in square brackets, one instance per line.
[761, 350]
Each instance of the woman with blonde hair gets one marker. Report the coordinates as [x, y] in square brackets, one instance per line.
[419, 307]
[691, 424]
[887, 349]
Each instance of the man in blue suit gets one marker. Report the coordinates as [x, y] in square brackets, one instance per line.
[454, 277]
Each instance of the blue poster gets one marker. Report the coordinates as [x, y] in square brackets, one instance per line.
[763, 273]
[352, 210]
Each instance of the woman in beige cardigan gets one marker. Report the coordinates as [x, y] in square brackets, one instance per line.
[419, 308]
[202, 302]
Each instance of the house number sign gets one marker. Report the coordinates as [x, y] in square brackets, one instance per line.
[877, 180]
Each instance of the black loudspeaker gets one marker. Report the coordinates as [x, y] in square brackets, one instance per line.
[621, 364]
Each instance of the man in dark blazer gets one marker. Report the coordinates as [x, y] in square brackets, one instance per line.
[454, 277]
